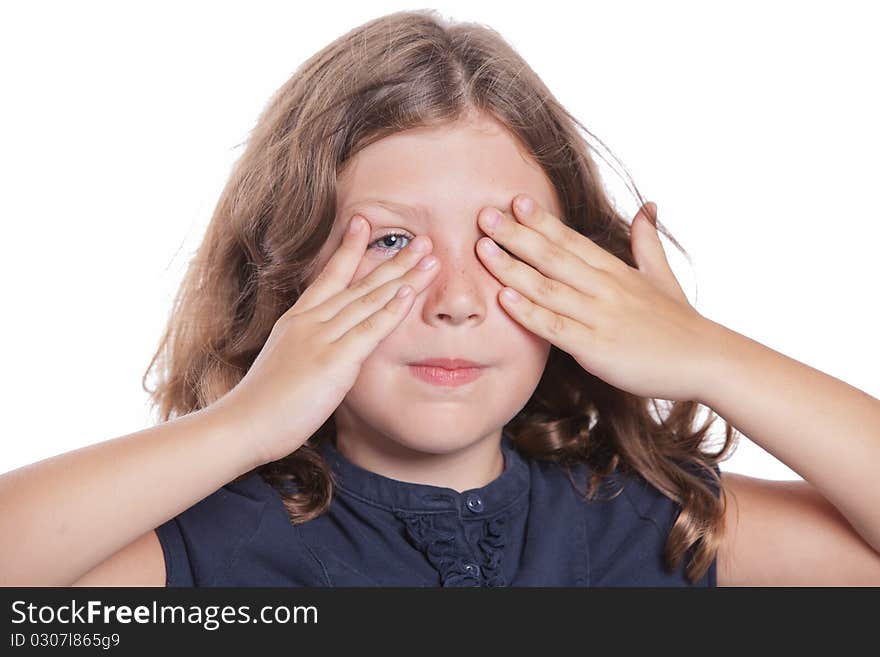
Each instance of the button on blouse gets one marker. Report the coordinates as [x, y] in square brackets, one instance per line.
[475, 503]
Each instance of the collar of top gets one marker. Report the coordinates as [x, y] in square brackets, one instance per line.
[393, 494]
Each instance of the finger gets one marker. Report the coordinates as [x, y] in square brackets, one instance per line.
[566, 333]
[562, 291]
[365, 329]
[544, 222]
[363, 308]
[337, 273]
[530, 251]
[537, 262]
[392, 269]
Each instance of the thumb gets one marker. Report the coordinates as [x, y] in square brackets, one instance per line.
[648, 251]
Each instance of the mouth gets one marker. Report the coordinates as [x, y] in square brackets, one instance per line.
[449, 372]
[449, 363]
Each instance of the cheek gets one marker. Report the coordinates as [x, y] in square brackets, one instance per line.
[537, 344]
[525, 352]
[380, 373]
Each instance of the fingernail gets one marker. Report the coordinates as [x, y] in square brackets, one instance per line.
[524, 204]
[652, 212]
[493, 218]
[427, 263]
[355, 225]
[490, 247]
[510, 294]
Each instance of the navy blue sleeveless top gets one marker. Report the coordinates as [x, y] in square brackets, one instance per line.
[528, 527]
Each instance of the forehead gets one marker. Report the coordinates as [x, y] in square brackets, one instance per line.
[425, 172]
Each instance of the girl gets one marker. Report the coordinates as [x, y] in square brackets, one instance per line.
[420, 347]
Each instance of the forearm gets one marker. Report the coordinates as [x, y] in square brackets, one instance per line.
[821, 427]
[62, 516]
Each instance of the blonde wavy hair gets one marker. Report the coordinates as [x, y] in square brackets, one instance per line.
[404, 70]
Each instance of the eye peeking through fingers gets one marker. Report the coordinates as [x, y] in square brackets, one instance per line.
[392, 242]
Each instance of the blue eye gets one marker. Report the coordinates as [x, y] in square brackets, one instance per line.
[390, 247]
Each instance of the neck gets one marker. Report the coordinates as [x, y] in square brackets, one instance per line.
[474, 465]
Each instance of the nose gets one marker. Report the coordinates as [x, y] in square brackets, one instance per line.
[462, 291]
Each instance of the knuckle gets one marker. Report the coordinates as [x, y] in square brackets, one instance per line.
[613, 293]
[547, 286]
[367, 324]
[557, 324]
[618, 268]
[287, 320]
[371, 299]
[553, 253]
[322, 276]
[282, 323]
[607, 283]
[362, 286]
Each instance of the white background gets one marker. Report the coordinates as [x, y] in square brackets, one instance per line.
[752, 126]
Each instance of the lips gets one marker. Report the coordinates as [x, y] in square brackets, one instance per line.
[448, 363]
[441, 376]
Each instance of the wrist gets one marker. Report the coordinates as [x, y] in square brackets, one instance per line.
[236, 435]
[717, 346]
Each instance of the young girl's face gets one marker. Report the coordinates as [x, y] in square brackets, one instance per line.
[451, 172]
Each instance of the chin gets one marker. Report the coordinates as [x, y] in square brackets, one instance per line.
[437, 437]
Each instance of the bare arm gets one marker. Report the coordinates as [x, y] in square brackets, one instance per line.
[62, 516]
[819, 426]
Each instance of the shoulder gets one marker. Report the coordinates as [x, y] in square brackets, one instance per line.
[786, 533]
[202, 541]
[238, 505]
[628, 524]
[653, 504]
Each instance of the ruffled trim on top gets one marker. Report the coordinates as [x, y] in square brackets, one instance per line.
[435, 535]
[492, 546]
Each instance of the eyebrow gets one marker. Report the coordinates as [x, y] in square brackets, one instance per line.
[415, 210]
